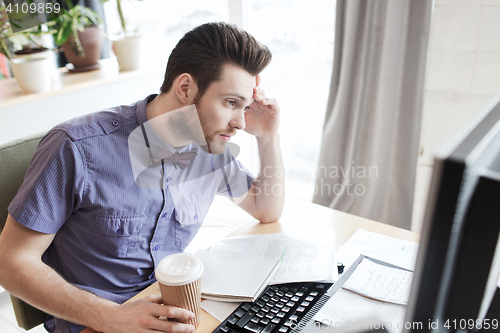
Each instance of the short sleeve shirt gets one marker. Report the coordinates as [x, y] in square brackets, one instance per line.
[110, 230]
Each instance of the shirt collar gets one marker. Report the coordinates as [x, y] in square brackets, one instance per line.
[155, 142]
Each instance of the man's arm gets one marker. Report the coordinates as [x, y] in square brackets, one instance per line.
[266, 197]
[24, 275]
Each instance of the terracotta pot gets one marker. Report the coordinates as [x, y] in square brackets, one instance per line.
[91, 40]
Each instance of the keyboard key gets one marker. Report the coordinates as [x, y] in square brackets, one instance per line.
[304, 289]
[265, 298]
[261, 314]
[309, 298]
[245, 319]
[301, 309]
[271, 304]
[275, 310]
[280, 315]
[283, 329]
[260, 303]
[275, 298]
[276, 320]
[280, 293]
[247, 306]
[293, 290]
[314, 293]
[240, 313]
[293, 317]
[289, 294]
[320, 286]
[305, 304]
[280, 304]
[285, 309]
[274, 288]
[288, 323]
[284, 289]
[290, 304]
[268, 328]
[233, 319]
[299, 294]
[270, 315]
[266, 309]
[255, 308]
[264, 321]
[295, 298]
[255, 319]
[253, 327]
[270, 293]
[224, 328]
[284, 299]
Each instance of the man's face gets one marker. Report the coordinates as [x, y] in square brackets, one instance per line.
[222, 107]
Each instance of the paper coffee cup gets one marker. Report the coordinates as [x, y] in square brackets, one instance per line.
[179, 277]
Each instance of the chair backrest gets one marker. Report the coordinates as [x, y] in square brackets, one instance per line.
[15, 158]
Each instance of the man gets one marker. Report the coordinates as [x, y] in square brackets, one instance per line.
[86, 230]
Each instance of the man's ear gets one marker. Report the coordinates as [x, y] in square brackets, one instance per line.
[186, 89]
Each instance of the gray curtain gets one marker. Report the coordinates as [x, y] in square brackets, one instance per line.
[371, 133]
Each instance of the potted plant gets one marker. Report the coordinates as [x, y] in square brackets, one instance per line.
[127, 47]
[79, 35]
[32, 66]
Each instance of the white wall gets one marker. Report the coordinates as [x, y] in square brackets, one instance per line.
[463, 74]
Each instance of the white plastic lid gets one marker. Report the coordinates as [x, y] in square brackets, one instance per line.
[179, 269]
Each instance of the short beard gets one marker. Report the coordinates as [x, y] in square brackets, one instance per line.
[212, 147]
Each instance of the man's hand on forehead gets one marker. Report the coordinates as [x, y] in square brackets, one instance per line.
[262, 116]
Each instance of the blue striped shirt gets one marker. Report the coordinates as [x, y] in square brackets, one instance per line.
[110, 233]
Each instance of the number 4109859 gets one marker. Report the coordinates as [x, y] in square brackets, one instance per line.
[33, 8]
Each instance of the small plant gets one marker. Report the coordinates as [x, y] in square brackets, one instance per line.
[73, 20]
[123, 21]
[5, 31]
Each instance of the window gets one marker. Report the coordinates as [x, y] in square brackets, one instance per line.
[300, 35]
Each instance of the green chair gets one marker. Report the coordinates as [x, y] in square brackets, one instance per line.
[15, 157]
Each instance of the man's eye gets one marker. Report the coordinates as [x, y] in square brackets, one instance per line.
[247, 108]
[232, 103]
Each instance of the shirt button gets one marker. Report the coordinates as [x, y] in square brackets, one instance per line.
[165, 215]
[157, 247]
[115, 123]
[195, 217]
[119, 231]
[169, 179]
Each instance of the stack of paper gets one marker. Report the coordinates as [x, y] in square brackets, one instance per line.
[301, 260]
[223, 276]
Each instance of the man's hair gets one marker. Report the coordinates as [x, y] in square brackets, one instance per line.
[203, 51]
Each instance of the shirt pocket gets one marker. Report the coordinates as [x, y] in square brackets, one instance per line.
[121, 233]
[189, 219]
[192, 213]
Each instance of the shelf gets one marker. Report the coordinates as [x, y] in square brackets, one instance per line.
[65, 81]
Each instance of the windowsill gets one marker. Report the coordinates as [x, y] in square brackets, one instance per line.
[64, 82]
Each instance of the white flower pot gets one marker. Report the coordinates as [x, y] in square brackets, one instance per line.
[33, 74]
[128, 52]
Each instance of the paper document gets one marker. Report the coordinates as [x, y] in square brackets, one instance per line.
[380, 282]
[219, 310]
[348, 310]
[300, 260]
[223, 275]
[391, 250]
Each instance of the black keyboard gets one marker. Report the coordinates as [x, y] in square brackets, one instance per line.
[281, 308]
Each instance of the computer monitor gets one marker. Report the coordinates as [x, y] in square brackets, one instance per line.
[458, 261]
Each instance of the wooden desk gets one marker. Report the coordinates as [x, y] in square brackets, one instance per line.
[300, 219]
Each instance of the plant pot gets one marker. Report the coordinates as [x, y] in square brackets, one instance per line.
[128, 51]
[36, 53]
[33, 74]
[91, 40]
